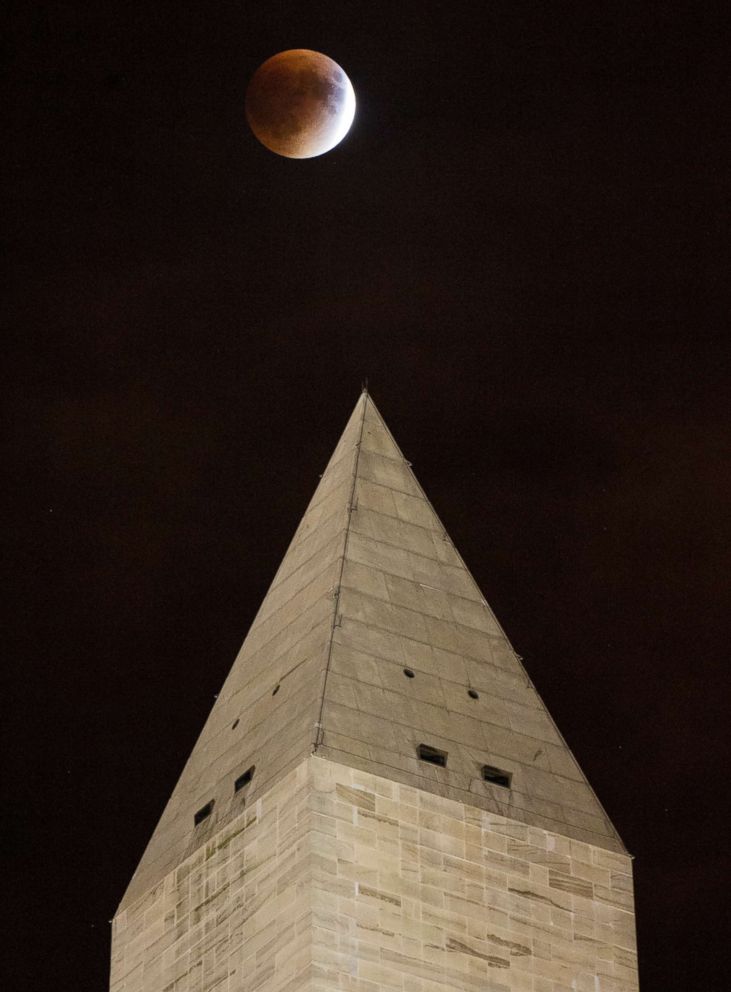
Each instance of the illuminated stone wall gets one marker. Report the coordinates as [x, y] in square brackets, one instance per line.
[340, 879]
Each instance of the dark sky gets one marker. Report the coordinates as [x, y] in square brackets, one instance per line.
[518, 245]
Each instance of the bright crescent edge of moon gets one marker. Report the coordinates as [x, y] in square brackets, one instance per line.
[346, 117]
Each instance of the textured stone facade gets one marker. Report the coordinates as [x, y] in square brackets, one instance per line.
[236, 914]
[337, 878]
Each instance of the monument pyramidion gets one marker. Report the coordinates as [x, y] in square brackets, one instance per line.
[379, 798]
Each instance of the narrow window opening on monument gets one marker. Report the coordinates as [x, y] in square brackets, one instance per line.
[203, 813]
[473, 694]
[497, 776]
[244, 779]
[433, 755]
[408, 673]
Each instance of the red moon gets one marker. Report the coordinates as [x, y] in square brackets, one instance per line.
[300, 103]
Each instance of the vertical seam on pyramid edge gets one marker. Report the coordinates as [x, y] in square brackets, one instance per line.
[336, 606]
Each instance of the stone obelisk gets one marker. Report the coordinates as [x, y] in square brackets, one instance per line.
[379, 799]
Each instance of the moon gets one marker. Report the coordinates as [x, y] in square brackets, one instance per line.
[300, 103]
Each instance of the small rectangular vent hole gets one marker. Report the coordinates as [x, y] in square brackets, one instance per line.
[244, 779]
[433, 755]
[203, 813]
[497, 776]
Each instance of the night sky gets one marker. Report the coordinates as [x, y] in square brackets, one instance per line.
[518, 245]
